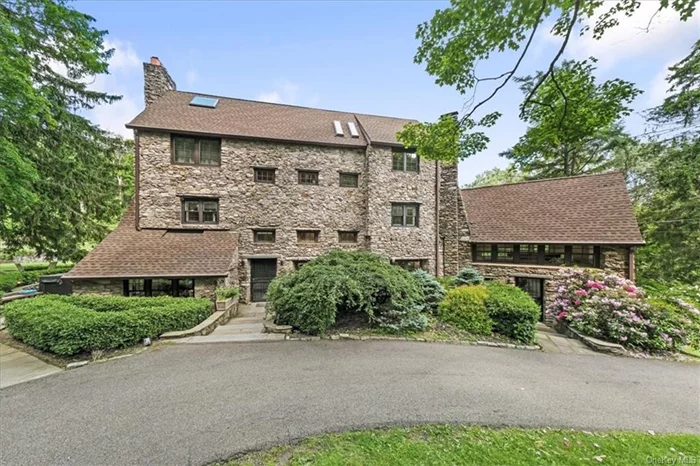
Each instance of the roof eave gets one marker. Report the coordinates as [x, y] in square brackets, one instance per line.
[529, 241]
[143, 276]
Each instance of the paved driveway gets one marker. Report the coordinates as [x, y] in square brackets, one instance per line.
[17, 366]
[190, 404]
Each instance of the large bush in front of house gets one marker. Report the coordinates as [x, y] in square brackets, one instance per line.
[513, 311]
[340, 282]
[71, 324]
[493, 307]
[465, 308]
[433, 291]
[468, 276]
[614, 309]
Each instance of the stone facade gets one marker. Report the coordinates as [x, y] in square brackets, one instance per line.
[454, 229]
[157, 81]
[615, 260]
[287, 206]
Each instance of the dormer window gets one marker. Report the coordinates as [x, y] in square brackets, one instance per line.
[196, 151]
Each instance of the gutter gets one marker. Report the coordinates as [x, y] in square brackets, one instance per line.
[137, 179]
[437, 217]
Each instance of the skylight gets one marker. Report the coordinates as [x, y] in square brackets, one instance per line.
[338, 128]
[201, 101]
[353, 130]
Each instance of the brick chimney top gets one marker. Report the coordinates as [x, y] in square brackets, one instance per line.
[157, 81]
[156, 61]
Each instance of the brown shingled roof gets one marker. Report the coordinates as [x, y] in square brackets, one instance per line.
[262, 120]
[129, 253]
[592, 209]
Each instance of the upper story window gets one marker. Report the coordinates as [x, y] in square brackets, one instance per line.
[347, 236]
[265, 175]
[200, 210]
[307, 236]
[264, 236]
[308, 177]
[404, 215]
[349, 180]
[404, 161]
[538, 254]
[196, 151]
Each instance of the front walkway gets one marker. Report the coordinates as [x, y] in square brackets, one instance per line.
[17, 367]
[554, 342]
[246, 327]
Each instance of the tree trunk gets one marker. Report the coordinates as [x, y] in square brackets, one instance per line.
[52, 265]
[19, 266]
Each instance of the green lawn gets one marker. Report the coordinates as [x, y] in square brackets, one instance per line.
[10, 267]
[442, 445]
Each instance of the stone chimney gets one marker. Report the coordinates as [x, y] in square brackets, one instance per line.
[156, 81]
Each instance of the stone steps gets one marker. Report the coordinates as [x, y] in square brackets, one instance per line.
[235, 338]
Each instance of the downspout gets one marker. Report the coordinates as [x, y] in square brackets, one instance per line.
[437, 217]
[137, 179]
[366, 183]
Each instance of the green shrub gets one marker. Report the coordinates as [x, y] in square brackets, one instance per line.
[10, 280]
[465, 308]
[468, 276]
[432, 289]
[227, 292]
[512, 310]
[70, 324]
[447, 282]
[340, 282]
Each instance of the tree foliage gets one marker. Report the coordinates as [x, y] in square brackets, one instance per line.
[496, 176]
[575, 124]
[63, 180]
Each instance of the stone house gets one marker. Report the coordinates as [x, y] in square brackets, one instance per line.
[234, 191]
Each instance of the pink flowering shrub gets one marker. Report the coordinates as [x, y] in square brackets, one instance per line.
[614, 309]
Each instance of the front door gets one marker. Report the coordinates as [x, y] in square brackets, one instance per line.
[535, 288]
[262, 271]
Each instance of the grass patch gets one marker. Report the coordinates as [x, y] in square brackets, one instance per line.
[10, 266]
[438, 445]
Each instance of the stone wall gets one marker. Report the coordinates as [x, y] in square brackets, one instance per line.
[206, 287]
[454, 229]
[614, 261]
[286, 206]
[102, 287]
[156, 82]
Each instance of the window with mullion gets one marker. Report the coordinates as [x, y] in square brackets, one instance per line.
[184, 149]
[554, 254]
[482, 252]
[402, 160]
[583, 256]
[504, 253]
[196, 151]
[200, 211]
[528, 254]
[348, 180]
[265, 175]
[308, 177]
[209, 152]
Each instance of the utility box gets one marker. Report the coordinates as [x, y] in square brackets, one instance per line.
[54, 284]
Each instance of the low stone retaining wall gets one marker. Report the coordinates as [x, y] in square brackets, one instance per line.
[225, 310]
[593, 343]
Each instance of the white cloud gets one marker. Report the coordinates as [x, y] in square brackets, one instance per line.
[191, 77]
[124, 75]
[658, 87]
[647, 31]
[285, 92]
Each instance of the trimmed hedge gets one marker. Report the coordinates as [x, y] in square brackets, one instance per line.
[10, 280]
[493, 307]
[465, 308]
[346, 282]
[67, 325]
[513, 311]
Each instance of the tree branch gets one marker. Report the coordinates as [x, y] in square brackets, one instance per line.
[566, 100]
[544, 76]
[509, 74]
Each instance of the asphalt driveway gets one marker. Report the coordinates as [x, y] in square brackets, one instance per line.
[191, 404]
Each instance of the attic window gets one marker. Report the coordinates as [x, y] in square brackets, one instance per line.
[201, 101]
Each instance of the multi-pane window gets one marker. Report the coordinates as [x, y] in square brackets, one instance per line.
[196, 151]
[307, 236]
[583, 255]
[265, 175]
[299, 264]
[179, 288]
[482, 252]
[347, 236]
[529, 254]
[264, 236]
[404, 161]
[135, 288]
[410, 264]
[504, 253]
[404, 215]
[308, 177]
[348, 180]
[554, 254]
[200, 211]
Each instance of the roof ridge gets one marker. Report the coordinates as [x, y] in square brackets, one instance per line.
[204, 94]
[588, 175]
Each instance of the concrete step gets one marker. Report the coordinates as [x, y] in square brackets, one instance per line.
[226, 330]
[234, 324]
[239, 338]
[260, 314]
[245, 320]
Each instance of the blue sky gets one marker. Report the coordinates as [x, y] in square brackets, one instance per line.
[354, 56]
